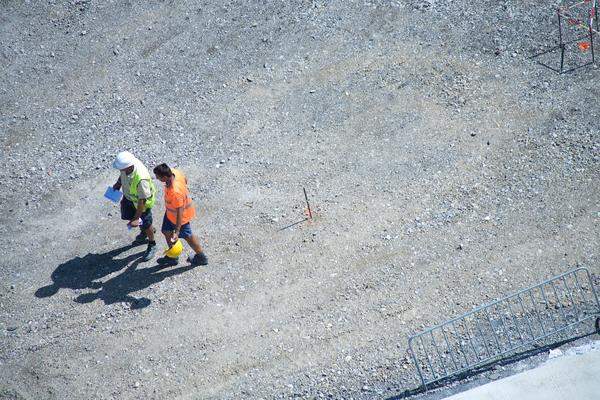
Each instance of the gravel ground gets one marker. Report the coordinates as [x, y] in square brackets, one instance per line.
[445, 169]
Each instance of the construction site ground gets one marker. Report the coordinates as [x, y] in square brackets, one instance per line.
[444, 168]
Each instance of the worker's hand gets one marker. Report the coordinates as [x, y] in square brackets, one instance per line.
[174, 237]
[117, 186]
[134, 222]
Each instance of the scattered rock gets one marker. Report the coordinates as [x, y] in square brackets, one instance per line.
[494, 375]
[555, 353]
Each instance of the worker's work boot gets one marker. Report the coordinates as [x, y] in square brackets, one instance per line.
[150, 252]
[168, 261]
[198, 259]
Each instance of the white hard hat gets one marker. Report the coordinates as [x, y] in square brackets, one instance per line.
[123, 160]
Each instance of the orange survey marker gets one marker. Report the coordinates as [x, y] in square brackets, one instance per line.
[583, 46]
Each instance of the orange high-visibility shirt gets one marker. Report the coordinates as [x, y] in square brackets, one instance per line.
[178, 195]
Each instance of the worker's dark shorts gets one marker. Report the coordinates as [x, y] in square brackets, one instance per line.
[184, 232]
[128, 212]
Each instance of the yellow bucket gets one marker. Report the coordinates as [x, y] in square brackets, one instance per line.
[175, 250]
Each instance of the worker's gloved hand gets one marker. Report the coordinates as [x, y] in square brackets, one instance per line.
[175, 237]
[133, 223]
[117, 186]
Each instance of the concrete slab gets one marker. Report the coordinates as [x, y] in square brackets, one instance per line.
[575, 376]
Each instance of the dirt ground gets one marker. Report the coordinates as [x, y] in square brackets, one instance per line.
[444, 168]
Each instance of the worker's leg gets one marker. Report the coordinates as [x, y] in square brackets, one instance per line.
[168, 236]
[127, 213]
[146, 226]
[186, 233]
[150, 233]
[194, 244]
[167, 230]
[199, 258]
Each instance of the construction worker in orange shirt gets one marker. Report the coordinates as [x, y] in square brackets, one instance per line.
[179, 213]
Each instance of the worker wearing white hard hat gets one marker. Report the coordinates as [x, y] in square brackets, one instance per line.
[139, 196]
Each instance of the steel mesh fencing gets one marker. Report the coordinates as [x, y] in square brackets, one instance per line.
[497, 329]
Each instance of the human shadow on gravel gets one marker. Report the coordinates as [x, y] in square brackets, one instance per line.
[119, 288]
[82, 272]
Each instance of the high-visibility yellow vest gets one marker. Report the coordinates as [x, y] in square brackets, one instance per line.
[141, 173]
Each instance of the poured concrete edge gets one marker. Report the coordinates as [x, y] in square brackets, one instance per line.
[575, 376]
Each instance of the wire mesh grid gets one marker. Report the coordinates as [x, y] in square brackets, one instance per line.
[504, 326]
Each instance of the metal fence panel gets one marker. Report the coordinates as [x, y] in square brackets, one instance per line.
[499, 328]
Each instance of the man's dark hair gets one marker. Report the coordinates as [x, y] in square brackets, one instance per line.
[163, 170]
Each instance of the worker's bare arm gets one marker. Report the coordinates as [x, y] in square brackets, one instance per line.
[117, 184]
[141, 207]
[179, 213]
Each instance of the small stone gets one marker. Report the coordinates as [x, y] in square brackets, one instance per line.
[11, 328]
[136, 385]
[83, 33]
[555, 353]
[12, 286]
[222, 162]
